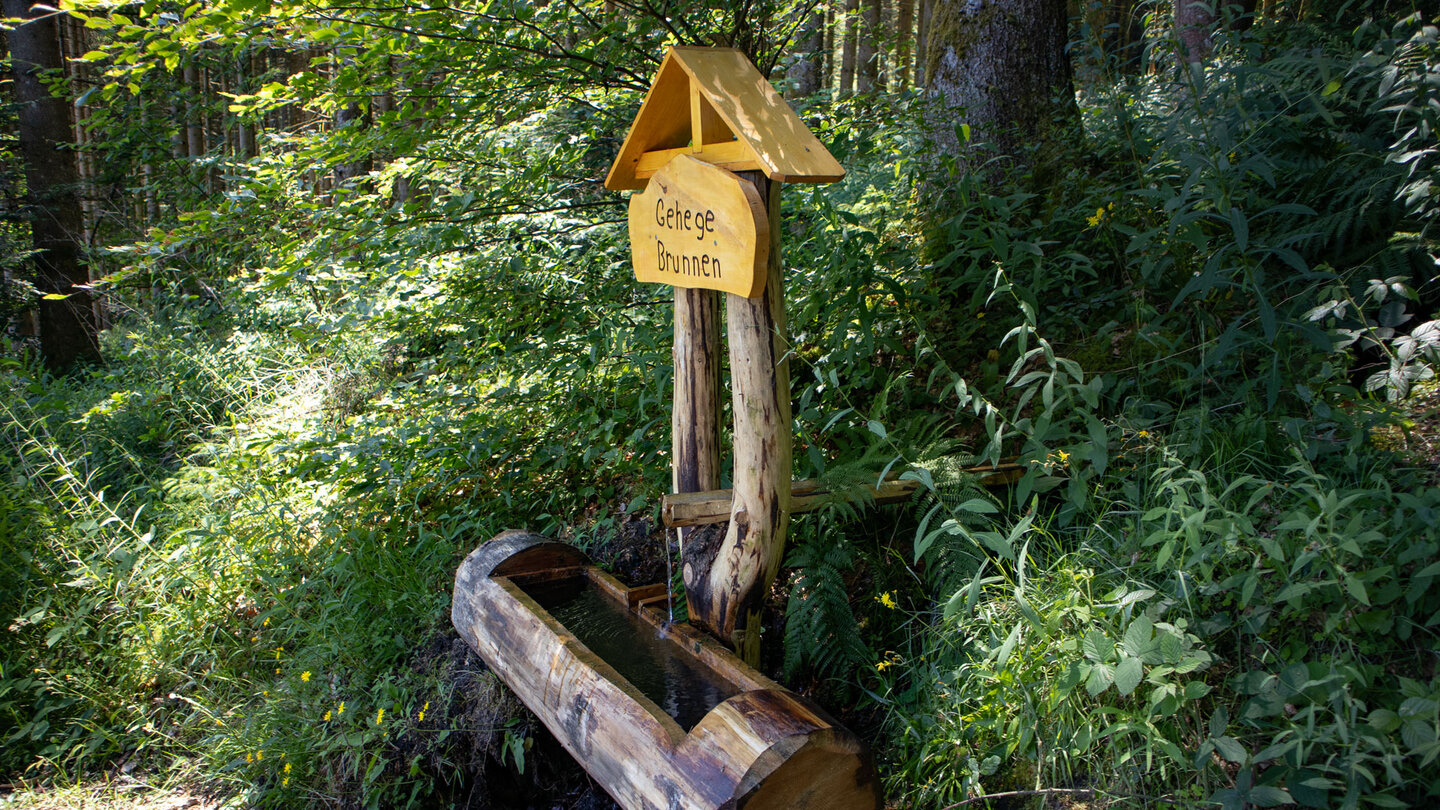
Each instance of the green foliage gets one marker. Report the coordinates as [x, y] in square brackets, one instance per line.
[324, 386]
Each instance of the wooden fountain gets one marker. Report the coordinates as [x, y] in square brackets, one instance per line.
[762, 747]
[708, 153]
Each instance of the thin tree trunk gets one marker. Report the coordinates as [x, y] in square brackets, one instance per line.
[804, 72]
[904, 40]
[847, 54]
[67, 325]
[922, 39]
[867, 54]
[352, 118]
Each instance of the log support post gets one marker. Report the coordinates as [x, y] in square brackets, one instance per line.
[726, 583]
[695, 420]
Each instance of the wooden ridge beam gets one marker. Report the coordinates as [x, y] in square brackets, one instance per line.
[713, 506]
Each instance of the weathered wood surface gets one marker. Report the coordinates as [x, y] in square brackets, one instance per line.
[762, 748]
[695, 417]
[726, 598]
[730, 98]
[696, 508]
[696, 225]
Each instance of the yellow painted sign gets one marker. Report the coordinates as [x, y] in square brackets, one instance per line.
[697, 225]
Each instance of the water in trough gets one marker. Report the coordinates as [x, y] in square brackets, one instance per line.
[683, 687]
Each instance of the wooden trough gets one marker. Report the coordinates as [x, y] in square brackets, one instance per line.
[758, 746]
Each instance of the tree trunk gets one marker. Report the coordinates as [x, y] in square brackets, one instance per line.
[1194, 24]
[67, 326]
[726, 591]
[904, 34]
[827, 48]
[804, 72]
[353, 116]
[847, 50]
[1000, 67]
[867, 55]
[922, 38]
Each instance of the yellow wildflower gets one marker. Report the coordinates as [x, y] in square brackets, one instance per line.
[1095, 220]
[265, 623]
[287, 767]
[249, 757]
[285, 782]
[1144, 434]
[1064, 456]
[326, 718]
[882, 666]
[259, 755]
[379, 717]
[305, 676]
[421, 717]
[887, 599]
[340, 710]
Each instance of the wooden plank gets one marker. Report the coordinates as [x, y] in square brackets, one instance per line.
[713, 506]
[725, 592]
[732, 156]
[701, 227]
[706, 126]
[663, 122]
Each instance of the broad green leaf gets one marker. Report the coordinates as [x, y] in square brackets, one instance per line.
[1128, 675]
[1231, 749]
[1268, 796]
[1101, 676]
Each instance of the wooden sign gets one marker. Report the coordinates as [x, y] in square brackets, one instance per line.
[697, 225]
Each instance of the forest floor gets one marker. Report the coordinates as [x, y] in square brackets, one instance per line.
[112, 794]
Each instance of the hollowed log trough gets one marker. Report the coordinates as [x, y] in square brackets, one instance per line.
[761, 747]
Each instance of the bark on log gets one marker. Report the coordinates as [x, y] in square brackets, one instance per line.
[695, 417]
[726, 599]
[765, 747]
[695, 420]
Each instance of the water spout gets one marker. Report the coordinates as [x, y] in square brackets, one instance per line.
[669, 581]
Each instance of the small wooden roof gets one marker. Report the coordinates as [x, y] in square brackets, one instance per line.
[712, 104]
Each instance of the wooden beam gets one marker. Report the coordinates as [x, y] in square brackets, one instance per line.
[702, 508]
[732, 155]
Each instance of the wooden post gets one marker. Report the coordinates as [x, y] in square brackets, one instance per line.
[695, 419]
[727, 592]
